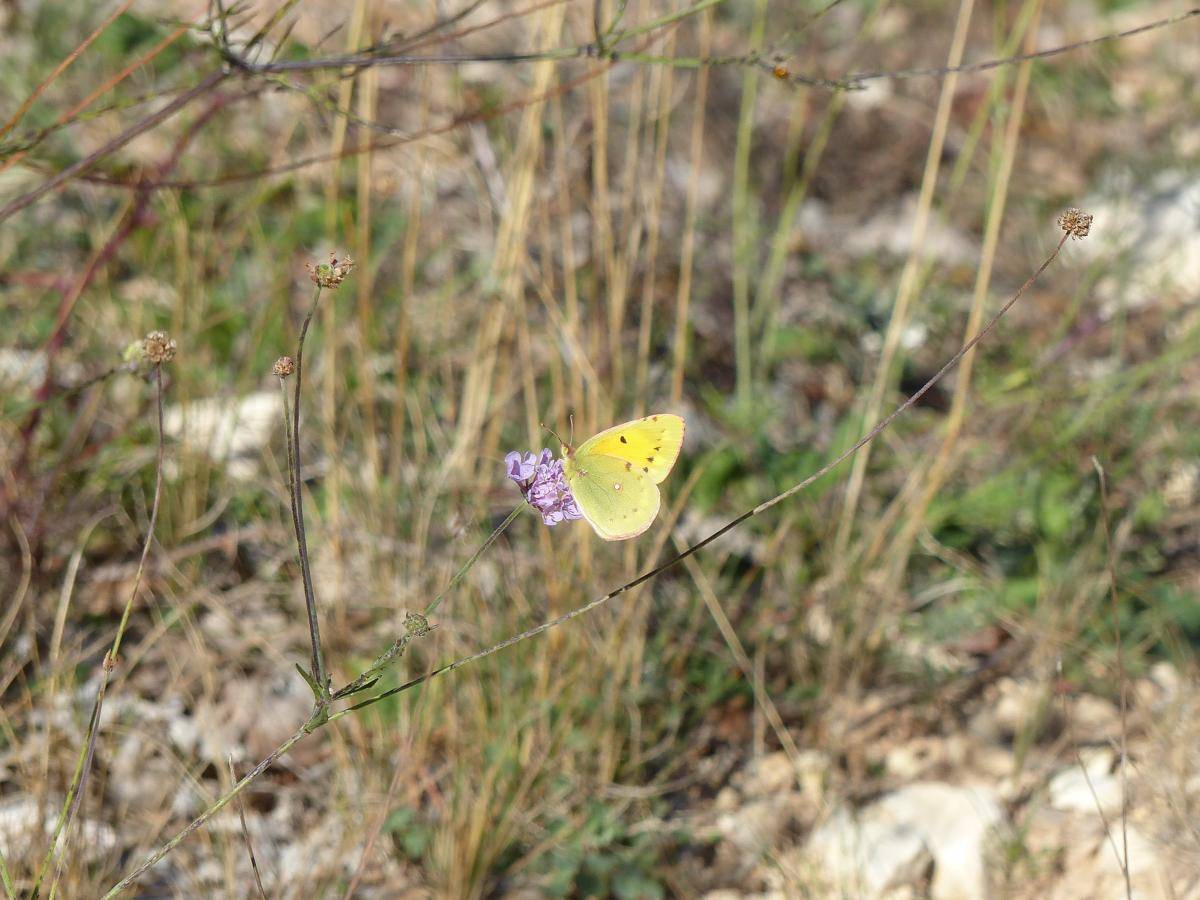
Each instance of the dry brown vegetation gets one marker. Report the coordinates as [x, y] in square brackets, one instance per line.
[916, 662]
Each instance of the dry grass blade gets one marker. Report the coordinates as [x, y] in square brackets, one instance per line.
[1122, 681]
[241, 808]
[157, 348]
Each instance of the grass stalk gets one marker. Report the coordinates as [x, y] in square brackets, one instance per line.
[87, 753]
[1122, 680]
[687, 253]
[939, 469]
[884, 373]
[745, 244]
[241, 808]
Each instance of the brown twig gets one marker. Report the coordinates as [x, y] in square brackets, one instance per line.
[1023, 57]
[62, 67]
[75, 169]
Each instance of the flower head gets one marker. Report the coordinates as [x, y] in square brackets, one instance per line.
[158, 348]
[284, 366]
[543, 485]
[1076, 223]
[332, 273]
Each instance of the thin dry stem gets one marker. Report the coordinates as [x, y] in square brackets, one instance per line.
[87, 753]
[884, 373]
[1122, 681]
[241, 808]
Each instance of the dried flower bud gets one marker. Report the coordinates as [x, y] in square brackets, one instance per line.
[284, 366]
[781, 72]
[158, 348]
[330, 274]
[1076, 223]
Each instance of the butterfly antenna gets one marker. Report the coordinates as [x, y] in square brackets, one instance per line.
[571, 419]
[555, 433]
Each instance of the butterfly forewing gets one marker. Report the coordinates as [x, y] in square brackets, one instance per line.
[650, 444]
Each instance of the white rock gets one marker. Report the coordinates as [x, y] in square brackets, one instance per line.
[19, 820]
[1095, 717]
[1069, 789]
[229, 431]
[755, 827]
[892, 842]
[1141, 851]
[1146, 238]
[1166, 676]
[868, 857]
[812, 771]
[769, 775]
[27, 369]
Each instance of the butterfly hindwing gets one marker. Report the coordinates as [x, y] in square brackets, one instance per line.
[650, 444]
[617, 500]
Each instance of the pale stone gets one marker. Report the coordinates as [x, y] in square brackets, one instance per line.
[770, 774]
[866, 858]
[227, 430]
[892, 842]
[1070, 789]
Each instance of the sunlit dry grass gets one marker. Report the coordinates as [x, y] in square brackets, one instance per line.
[597, 240]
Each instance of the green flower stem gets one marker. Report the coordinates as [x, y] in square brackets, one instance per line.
[417, 624]
[461, 573]
[297, 498]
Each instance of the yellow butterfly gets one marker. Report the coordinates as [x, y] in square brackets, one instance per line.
[614, 476]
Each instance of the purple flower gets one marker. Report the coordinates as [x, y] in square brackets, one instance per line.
[541, 481]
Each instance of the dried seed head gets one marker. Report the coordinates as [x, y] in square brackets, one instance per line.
[158, 348]
[1076, 223]
[284, 366]
[330, 274]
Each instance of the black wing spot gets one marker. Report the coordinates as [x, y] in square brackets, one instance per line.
[623, 441]
[649, 459]
[645, 469]
[654, 418]
[658, 448]
[628, 466]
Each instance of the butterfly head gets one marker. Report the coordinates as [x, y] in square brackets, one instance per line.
[568, 449]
